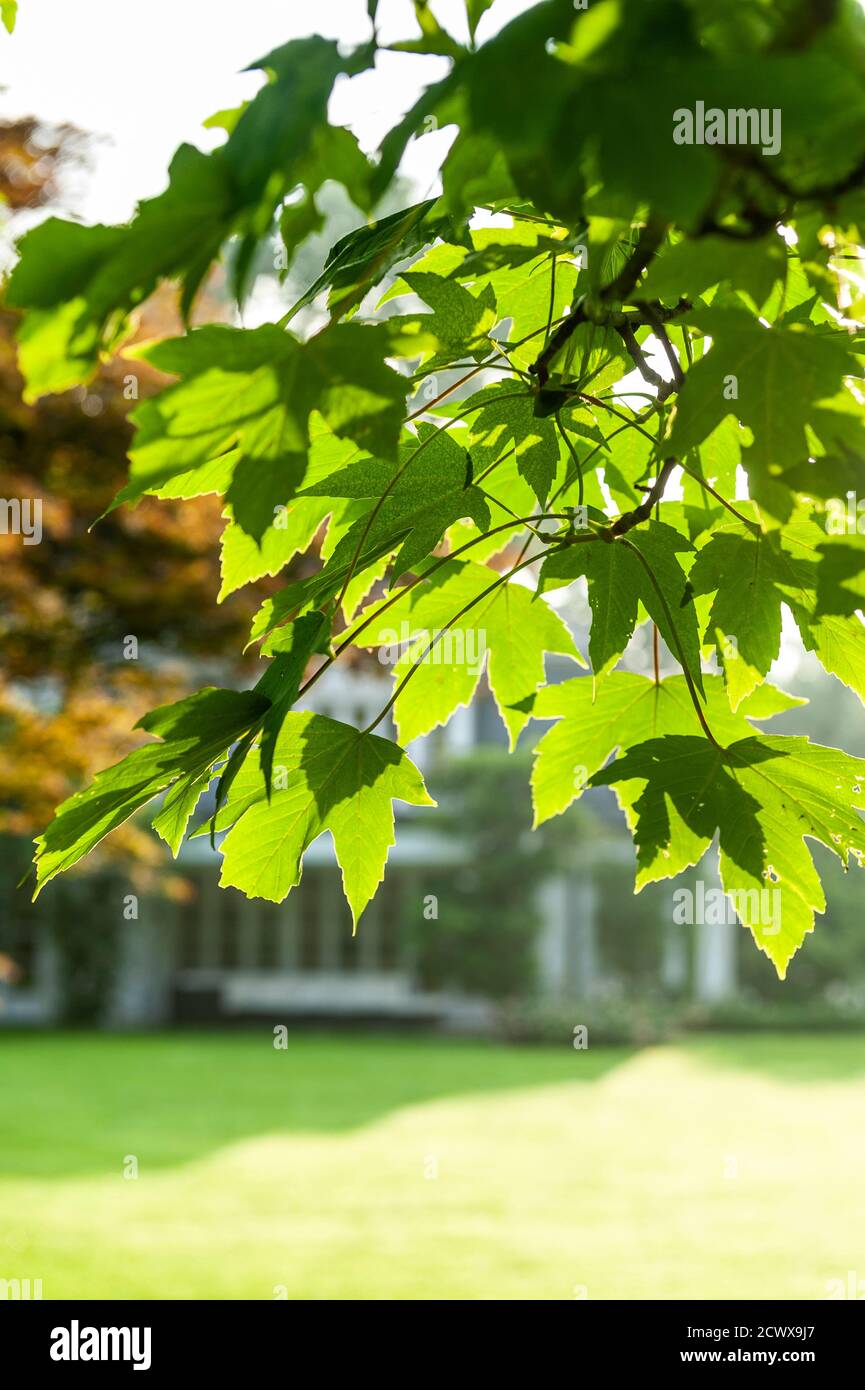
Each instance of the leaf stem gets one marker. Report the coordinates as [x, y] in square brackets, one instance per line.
[707, 487]
[552, 297]
[628, 520]
[455, 385]
[488, 470]
[632, 424]
[405, 588]
[563, 432]
[692, 691]
[497, 583]
[505, 508]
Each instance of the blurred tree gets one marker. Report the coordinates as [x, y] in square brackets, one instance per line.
[71, 681]
[34, 158]
[484, 937]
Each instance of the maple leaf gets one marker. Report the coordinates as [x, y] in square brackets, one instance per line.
[195, 733]
[331, 777]
[619, 583]
[633, 708]
[420, 496]
[763, 796]
[503, 630]
[769, 377]
[250, 393]
[752, 574]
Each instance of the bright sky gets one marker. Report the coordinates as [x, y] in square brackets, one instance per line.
[144, 76]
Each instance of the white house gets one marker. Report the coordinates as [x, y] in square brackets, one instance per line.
[220, 956]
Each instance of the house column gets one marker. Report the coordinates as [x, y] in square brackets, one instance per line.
[553, 937]
[715, 955]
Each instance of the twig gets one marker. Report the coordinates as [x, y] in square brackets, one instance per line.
[455, 385]
[628, 520]
[660, 333]
[552, 297]
[631, 424]
[638, 357]
[617, 291]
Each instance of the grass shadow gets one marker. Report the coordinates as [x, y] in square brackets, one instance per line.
[78, 1103]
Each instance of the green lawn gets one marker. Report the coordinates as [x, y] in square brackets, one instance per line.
[380, 1167]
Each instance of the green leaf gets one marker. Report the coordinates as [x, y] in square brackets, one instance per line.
[752, 575]
[841, 576]
[9, 13]
[313, 592]
[243, 558]
[631, 709]
[475, 10]
[334, 156]
[81, 280]
[508, 419]
[252, 391]
[282, 681]
[280, 686]
[618, 585]
[430, 488]
[688, 269]
[195, 733]
[329, 777]
[720, 455]
[746, 606]
[504, 630]
[519, 264]
[359, 260]
[460, 321]
[763, 796]
[626, 96]
[593, 359]
[770, 378]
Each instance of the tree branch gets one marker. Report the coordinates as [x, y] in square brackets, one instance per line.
[638, 357]
[616, 292]
[628, 520]
[661, 334]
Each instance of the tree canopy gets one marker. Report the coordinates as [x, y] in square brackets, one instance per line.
[621, 345]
